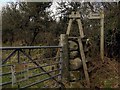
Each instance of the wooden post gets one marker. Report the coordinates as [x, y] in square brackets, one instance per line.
[64, 44]
[84, 62]
[101, 18]
[102, 37]
[69, 24]
[80, 25]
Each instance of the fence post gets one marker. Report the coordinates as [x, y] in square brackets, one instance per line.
[65, 57]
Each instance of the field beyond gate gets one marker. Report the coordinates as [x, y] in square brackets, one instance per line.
[31, 66]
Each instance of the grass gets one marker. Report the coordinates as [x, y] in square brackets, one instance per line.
[13, 60]
[105, 76]
[8, 78]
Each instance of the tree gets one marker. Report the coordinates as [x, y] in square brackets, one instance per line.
[26, 18]
[10, 21]
[92, 27]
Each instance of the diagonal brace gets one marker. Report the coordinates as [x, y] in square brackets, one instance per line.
[9, 56]
[40, 67]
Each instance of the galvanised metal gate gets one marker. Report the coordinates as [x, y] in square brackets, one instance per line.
[31, 66]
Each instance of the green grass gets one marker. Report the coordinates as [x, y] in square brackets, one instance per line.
[13, 60]
[8, 78]
[20, 76]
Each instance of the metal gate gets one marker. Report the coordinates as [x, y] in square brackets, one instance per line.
[31, 67]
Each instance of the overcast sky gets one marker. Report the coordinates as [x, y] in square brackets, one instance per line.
[3, 2]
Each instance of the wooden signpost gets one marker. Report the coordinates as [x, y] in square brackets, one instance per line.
[101, 17]
[64, 43]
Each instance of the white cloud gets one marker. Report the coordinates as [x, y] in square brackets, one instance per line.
[3, 2]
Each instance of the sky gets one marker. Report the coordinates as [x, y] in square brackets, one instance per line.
[3, 2]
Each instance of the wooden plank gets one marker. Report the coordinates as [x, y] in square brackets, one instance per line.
[94, 16]
[72, 37]
[80, 26]
[69, 26]
[70, 23]
[84, 62]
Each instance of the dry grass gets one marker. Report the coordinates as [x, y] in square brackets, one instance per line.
[105, 75]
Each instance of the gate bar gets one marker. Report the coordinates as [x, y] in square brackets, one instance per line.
[29, 47]
[39, 65]
[40, 81]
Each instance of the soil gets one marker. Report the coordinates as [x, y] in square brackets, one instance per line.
[104, 74]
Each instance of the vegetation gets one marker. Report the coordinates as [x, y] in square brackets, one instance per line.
[34, 24]
[26, 23]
